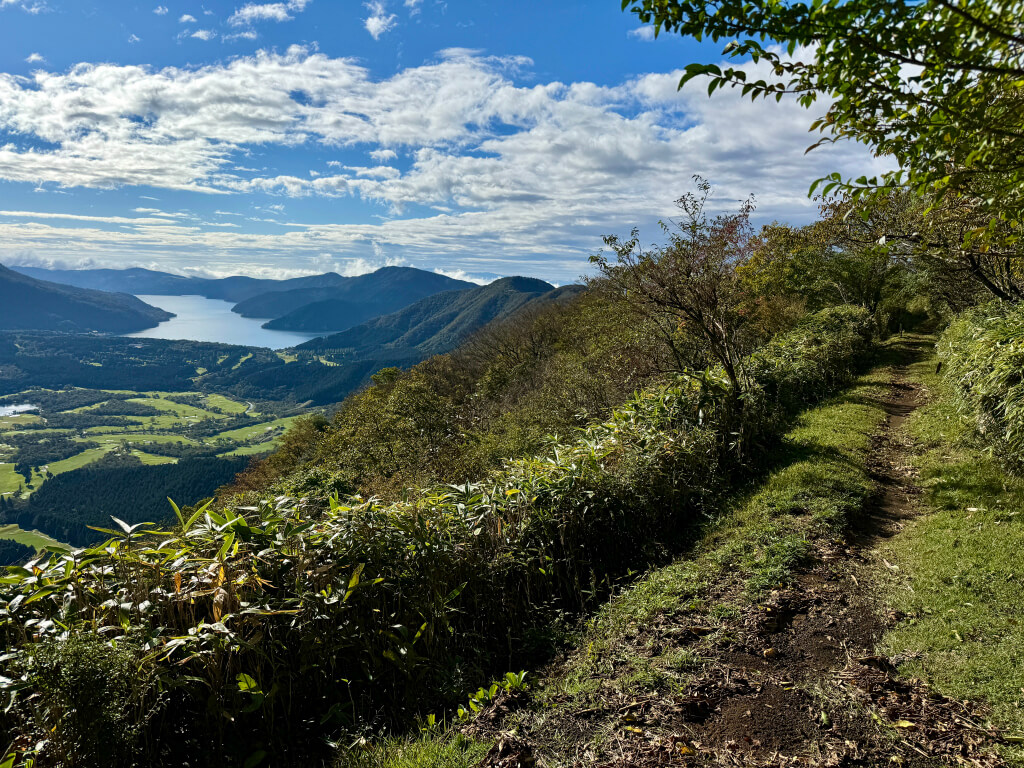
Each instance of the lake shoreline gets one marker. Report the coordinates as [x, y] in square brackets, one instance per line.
[198, 318]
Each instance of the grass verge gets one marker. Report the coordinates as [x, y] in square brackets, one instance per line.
[961, 572]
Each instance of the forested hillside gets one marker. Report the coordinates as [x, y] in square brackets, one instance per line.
[37, 305]
[359, 299]
[70, 506]
[441, 322]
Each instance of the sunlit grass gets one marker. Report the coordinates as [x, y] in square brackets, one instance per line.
[35, 539]
[153, 459]
[9, 479]
[77, 461]
[447, 751]
[248, 433]
[226, 404]
[962, 574]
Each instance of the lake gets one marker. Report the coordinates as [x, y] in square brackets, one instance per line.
[201, 319]
[14, 410]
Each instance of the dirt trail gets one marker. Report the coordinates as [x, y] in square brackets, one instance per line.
[805, 687]
[812, 691]
[798, 682]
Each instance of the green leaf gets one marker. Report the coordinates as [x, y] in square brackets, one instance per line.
[177, 512]
[247, 684]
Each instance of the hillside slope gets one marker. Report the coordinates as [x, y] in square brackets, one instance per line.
[778, 639]
[439, 323]
[358, 299]
[30, 304]
[346, 609]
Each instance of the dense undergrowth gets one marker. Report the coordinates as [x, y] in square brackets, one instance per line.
[816, 486]
[255, 632]
[983, 354]
[960, 571]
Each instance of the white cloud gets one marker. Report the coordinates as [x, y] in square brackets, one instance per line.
[187, 19]
[413, 6]
[134, 39]
[160, 10]
[35, 58]
[516, 178]
[461, 274]
[379, 21]
[643, 33]
[25, 5]
[204, 34]
[256, 12]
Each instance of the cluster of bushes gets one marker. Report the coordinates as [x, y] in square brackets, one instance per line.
[209, 426]
[194, 399]
[123, 408]
[77, 420]
[262, 629]
[183, 450]
[982, 352]
[62, 399]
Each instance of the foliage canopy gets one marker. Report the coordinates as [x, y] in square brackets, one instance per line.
[934, 84]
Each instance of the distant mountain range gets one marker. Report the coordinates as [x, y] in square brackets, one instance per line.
[319, 303]
[150, 282]
[29, 303]
[396, 315]
[441, 322]
[360, 299]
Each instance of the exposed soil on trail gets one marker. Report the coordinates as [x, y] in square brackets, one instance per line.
[797, 681]
[773, 719]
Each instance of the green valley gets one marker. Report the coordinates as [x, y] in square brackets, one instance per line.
[153, 428]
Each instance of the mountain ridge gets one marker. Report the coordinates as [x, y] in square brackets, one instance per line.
[32, 304]
[139, 280]
[439, 323]
[362, 298]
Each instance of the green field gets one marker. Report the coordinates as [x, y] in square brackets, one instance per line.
[17, 422]
[9, 479]
[226, 404]
[260, 435]
[77, 461]
[248, 433]
[151, 458]
[35, 539]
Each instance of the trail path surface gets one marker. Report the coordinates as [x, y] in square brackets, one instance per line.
[808, 689]
[800, 683]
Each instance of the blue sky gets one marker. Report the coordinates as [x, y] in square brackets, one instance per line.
[282, 138]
